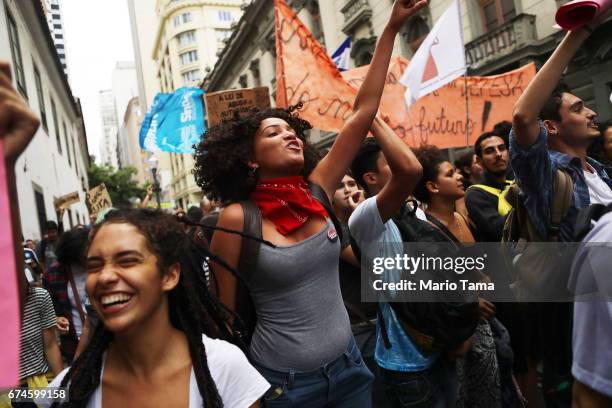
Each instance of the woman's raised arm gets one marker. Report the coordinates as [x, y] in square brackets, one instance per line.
[333, 167]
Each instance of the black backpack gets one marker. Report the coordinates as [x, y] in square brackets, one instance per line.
[433, 326]
[249, 253]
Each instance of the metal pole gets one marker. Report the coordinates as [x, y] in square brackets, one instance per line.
[467, 110]
[156, 188]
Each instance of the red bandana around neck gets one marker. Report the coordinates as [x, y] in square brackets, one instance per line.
[287, 202]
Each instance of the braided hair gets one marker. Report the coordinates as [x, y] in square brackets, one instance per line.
[192, 308]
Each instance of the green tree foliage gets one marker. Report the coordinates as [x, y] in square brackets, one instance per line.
[119, 183]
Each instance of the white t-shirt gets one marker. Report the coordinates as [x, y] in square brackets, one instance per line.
[239, 384]
[599, 191]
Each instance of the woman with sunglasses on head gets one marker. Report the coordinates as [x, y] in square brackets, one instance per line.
[302, 341]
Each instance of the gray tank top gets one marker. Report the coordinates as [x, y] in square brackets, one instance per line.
[302, 323]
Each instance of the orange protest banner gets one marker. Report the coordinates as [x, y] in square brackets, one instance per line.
[305, 73]
[440, 117]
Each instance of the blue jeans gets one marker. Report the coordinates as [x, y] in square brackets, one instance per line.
[435, 387]
[365, 336]
[345, 382]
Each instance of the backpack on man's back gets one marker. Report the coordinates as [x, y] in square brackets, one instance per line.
[432, 326]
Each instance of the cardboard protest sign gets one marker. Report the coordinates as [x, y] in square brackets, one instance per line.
[67, 200]
[9, 293]
[98, 199]
[223, 105]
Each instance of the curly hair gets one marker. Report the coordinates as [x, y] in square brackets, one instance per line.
[192, 308]
[430, 158]
[222, 155]
[596, 149]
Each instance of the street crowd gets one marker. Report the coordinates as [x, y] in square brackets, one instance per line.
[254, 299]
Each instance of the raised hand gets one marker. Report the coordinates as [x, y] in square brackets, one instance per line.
[17, 123]
[402, 11]
[355, 199]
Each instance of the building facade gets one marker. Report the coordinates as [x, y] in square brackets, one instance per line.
[190, 34]
[143, 17]
[56, 161]
[108, 115]
[129, 152]
[499, 35]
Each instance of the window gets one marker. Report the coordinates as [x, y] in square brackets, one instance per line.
[39, 198]
[66, 143]
[191, 76]
[224, 15]
[416, 31]
[57, 26]
[363, 50]
[187, 37]
[56, 126]
[181, 19]
[55, 7]
[59, 37]
[496, 12]
[189, 57]
[41, 100]
[222, 35]
[74, 155]
[16, 53]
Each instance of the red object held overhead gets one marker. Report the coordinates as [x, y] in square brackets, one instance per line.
[577, 13]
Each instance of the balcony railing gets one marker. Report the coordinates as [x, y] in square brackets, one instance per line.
[503, 40]
[355, 12]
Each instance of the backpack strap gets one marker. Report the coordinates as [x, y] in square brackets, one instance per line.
[383, 328]
[321, 196]
[436, 223]
[563, 190]
[503, 206]
[249, 250]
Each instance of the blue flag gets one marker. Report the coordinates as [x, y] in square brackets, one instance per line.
[175, 122]
[342, 55]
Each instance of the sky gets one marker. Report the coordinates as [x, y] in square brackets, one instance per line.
[97, 35]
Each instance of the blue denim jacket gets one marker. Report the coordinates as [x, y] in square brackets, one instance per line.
[535, 168]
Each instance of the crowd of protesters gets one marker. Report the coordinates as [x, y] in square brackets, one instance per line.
[254, 298]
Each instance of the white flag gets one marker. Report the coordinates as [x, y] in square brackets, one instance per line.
[440, 58]
[342, 55]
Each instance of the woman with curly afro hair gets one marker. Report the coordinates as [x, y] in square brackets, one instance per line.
[302, 341]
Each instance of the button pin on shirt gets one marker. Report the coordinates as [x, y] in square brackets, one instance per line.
[332, 235]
